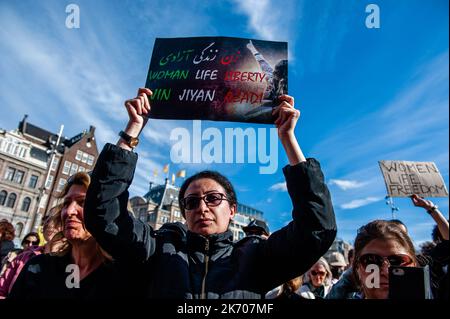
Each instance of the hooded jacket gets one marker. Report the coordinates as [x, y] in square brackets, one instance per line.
[173, 262]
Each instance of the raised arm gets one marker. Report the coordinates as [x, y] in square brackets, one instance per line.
[434, 212]
[292, 250]
[106, 214]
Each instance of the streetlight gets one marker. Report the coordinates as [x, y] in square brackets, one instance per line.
[390, 203]
[52, 150]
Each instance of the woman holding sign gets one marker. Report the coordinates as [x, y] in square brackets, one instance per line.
[199, 260]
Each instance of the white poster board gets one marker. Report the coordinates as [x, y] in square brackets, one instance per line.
[404, 179]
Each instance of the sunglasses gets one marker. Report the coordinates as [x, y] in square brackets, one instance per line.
[31, 242]
[318, 273]
[393, 260]
[211, 200]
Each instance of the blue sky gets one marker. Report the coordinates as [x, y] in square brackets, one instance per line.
[364, 94]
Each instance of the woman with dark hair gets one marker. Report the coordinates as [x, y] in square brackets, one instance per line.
[7, 234]
[30, 239]
[383, 244]
[15, 266]
[199, 259]
[77, 267]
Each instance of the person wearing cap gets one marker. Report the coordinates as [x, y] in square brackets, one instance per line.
[337, 265]
[199, 260]
[257, 228]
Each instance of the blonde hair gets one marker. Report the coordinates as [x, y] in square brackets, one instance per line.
[59, 245]
[328, 277]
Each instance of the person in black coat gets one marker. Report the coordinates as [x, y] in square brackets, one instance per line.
[199, 259]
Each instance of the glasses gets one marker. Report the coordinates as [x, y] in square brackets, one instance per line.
[211, 200]
[31, 242]
[318, 273]
[392, 260]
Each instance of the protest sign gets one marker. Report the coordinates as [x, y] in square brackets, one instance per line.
[404, 179]
[217, 78]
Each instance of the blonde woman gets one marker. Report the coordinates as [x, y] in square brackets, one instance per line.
[78, 268]
[318, 281]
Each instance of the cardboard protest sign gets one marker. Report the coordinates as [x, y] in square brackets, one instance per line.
[217, 78]
[404, 179]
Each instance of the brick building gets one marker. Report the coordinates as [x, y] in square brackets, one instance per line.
[25, 155]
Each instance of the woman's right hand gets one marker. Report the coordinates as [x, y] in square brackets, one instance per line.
[138, 109]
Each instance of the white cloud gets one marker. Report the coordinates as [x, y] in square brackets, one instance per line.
[279, 187]
[270, 20]
[422, 104]
[360, 202]
[346, 184]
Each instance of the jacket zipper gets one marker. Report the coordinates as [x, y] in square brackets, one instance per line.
[203, 294]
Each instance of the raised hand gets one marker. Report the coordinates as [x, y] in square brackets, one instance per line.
[421, 202]
[287, 116]
[138, 108]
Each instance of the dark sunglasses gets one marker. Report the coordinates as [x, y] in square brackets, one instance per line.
[35, 242]
[393, 260]
[320, 273]
[211, 200]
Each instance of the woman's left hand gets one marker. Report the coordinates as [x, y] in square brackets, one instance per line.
[287, 116]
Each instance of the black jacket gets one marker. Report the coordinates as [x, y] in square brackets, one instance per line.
[182, 264]
[46, 277]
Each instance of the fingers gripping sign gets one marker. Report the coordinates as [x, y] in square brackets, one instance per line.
[286, 116]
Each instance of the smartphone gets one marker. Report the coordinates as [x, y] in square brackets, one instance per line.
[409, 283]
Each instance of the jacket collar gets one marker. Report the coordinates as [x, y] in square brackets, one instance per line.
[209, 244]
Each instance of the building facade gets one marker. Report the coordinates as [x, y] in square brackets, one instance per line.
[33, 171]
[160, 206]
[341, 246]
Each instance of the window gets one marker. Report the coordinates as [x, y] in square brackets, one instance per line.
[85, 157]
[11, 200]
[3, 195]
[26, 204]
[9, 174]
[19, 229]
[14, 175]
[164, 219]
[61, 183]
[73, 169]
[18, 177]
[66, 167]
[55, 163]
[81, 169]
[79, 155]
[49, 182]
[177, 214]
[33, 181]
[90, 160]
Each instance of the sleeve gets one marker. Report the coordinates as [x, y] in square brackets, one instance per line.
[29, 282]
[106, 213]
[8, 278]
[292, 250]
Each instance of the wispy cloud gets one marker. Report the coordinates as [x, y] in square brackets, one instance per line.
[279, 187]
[377, 136]
[73, 79]
[346, 184]
[360, 202]
[268, 19]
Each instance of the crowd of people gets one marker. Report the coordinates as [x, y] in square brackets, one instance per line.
[95, 247]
